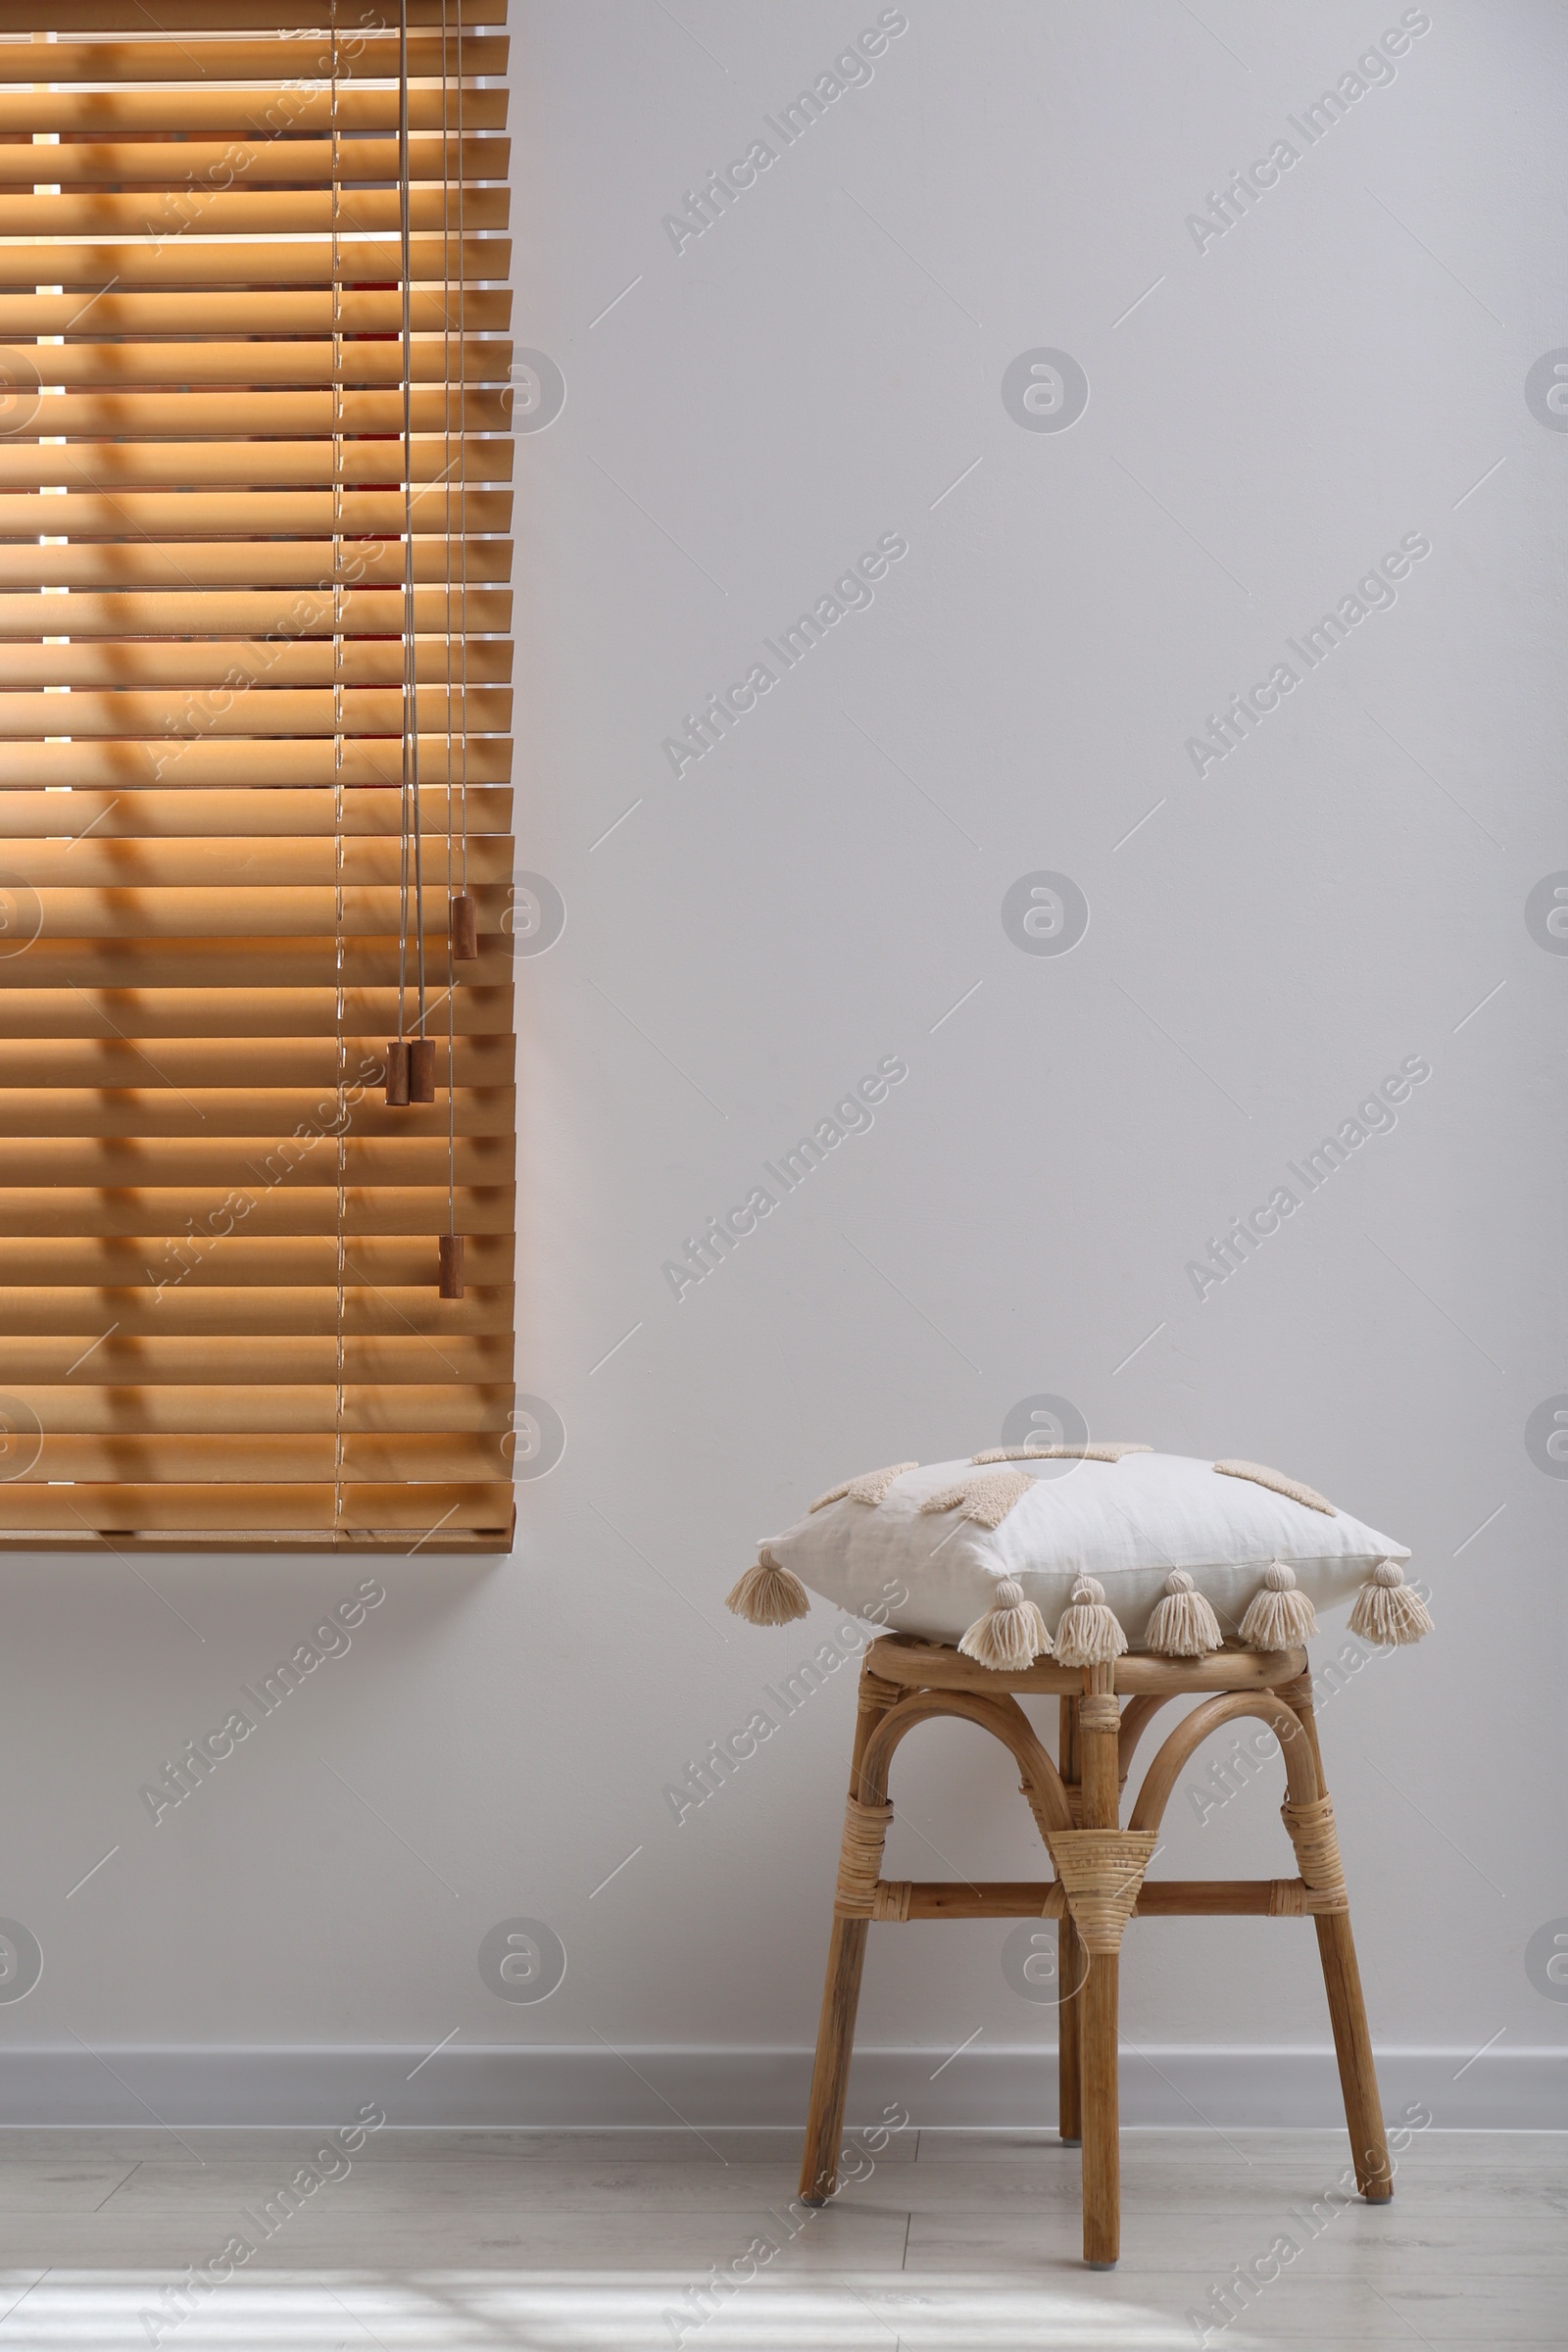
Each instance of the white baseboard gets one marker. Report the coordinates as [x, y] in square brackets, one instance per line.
[508, 2086]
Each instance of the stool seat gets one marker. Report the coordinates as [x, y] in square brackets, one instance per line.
[1099, 1862]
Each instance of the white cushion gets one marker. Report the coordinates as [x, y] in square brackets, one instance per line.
[1128, 1522]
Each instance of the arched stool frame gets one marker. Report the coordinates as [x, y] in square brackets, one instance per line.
[1099, 1867]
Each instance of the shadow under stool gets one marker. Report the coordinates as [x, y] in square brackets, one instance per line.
[1100, 1865]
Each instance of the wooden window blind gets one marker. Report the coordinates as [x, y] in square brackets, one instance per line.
[254, 814]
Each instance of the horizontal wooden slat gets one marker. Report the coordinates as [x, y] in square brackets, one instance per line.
[276, 513]
[54, 1086]
[195, 167]
[167, 1111]
[302, 820]
[311, 566]
[257, 1209]
[363, 861]
[367, 766]
[239, 613]
[428, 1507]
[118, 1261]
[357, 58]
[193, 213]
[192, 1458]
[177, 415]
[256, 1360]
[348, 310]
[176, 1309]
[229, 662]
[203, 913]
[193, 765]
[261, 113]
[48, 1068]
[254, 464]
[264, 711]
[149, 1011]
[454, 1543]
[236, 964]
[144, 1111]
[242, 1065]
[237, 15]
[355, 360]
[177, 261]
[290, 1163]
[424, 1408]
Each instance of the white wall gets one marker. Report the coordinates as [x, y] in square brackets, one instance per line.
[1341, 369]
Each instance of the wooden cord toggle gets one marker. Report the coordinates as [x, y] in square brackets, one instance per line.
[450, 1257]
[410, 1071]
[464, 918]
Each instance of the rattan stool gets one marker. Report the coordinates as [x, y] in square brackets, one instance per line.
[1100, 1868]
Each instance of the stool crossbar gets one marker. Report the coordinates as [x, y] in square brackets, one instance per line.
[1099, 1883]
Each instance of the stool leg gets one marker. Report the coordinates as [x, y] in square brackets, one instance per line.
[830, 2076]
[1100, 2117]
[841, 1991]
[1353, 2044]
[1341, 1981]
[1070, 1960]
[1098, 2001]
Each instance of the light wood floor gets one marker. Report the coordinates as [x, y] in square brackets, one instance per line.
[602, 2243]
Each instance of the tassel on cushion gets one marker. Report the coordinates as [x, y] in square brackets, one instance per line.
[1010, 1635]
[769, 1595]
[1089, 1634]
[1278, 1616]
[1388, 1611]
[1183, 1625]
